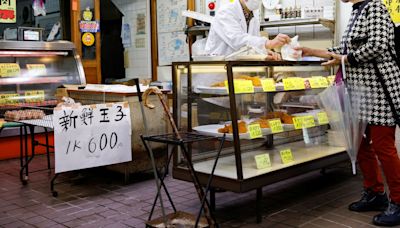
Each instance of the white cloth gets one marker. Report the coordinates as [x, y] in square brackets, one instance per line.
[229, 31]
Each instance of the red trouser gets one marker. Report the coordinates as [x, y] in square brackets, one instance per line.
[383, 148]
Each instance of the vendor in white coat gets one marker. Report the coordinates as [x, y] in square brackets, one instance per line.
[236, 25]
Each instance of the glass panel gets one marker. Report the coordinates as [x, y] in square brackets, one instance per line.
[33, 80]
[284, 125]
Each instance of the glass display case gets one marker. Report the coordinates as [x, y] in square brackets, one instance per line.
[30, 72]
[269, 112]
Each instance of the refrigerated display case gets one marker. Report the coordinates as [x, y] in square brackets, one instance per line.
[30, 72]
[269, 112]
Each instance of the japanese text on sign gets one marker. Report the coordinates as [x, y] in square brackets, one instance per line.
[303, 122]
[255, 131]
[263, 161]
[286, 156]
[8, 11]
[91, 136]
[9, 69]
[241, 86]
[293, 83]
[9, 98]
[34, 95]
[276, 125]
[322, 118]
[268, 85]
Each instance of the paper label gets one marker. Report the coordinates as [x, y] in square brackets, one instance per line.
[241, 86]
[298, 122]
[9, 69]
[286, 156]
[294, 83]
[263, 161]
[331, 79]
[255, 131]
[12, 98]
[322, 118]
[318, 82]
[276, 126]
[308, 121]
[34, 95]
[37, 69]
[268, 85]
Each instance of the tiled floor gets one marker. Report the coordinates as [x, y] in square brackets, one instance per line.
[96, 198]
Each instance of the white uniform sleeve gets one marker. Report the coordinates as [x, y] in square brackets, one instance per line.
[228, 27]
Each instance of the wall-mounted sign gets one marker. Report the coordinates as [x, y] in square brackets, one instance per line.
[89, 26]
[88, 39]
[87, 14]
[8, 11]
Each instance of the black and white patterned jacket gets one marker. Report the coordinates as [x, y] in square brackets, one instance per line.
[372, 39]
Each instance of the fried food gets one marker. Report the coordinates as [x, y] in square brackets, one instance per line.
[228, 128]
[287, 119]
[263, 123]
[284, 117]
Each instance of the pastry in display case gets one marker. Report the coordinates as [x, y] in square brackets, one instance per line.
[269, 114]
[30, 73]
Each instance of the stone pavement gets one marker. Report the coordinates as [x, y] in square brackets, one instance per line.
[98, 198]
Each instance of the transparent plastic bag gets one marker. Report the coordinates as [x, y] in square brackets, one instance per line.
[289, 53]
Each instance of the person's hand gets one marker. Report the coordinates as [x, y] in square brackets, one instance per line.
[305, 51]
[273, 56]
[335, 60]
[278, 41]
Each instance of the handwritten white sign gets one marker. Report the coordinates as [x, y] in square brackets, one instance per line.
[91, 136]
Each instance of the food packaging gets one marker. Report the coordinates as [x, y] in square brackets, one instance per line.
[289, 53]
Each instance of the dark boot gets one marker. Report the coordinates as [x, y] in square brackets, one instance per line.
[370, 201]
[390, 217]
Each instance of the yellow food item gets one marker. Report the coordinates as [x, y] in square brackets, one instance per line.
[228, 128]
[255, 80]
[218, 84]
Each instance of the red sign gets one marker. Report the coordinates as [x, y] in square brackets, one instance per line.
[8, 11]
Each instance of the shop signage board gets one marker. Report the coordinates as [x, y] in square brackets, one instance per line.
[91, 136]
[8, 11]
[89, 26]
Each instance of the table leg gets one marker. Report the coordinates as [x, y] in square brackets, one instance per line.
[53, 192]
[47, 148]
[259, 205]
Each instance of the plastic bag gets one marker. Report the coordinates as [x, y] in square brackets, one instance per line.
[38, 8]
[198, 47]
[289, 53]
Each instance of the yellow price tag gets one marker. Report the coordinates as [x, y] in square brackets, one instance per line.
[314, 83]
[323, 82]
[331, 79]
[263, 161]
[308, 121]
[298, 122]
[275, 125]
[322, 118]
[255, 131]
[286, 156]
[12, 98]
[294, 83]
[394, 9]
[9, 69]
[37, 68]
[34, 95]
[241, 86]
[268, 85]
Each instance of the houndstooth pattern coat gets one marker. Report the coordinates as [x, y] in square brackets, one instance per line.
[372, 39]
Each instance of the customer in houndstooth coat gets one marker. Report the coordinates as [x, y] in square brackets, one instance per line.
[369, 38]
